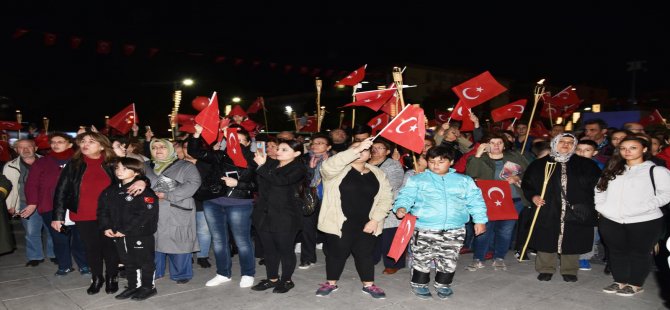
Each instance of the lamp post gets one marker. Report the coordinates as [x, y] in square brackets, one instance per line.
[176, 98]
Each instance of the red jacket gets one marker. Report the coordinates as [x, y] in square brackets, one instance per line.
[41, 183]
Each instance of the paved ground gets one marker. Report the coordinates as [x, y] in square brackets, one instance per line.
[517, 288]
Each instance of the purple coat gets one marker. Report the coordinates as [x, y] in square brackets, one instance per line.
[41, 183]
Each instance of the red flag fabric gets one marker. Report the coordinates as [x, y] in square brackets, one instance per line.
[549, 110]
[562, 104]
[128, 49]
[208, 118]
[75, 42]
[103, 47]
[19, 33]
[498, 198]
[9, 125]
[466, 123]
[310, 125]
[441, 116]
[258, 104]
[233, 148]
[378, 122]
[538, 129]
[353, 78]
[478, 90]
[49, 39]
[374, 99]
[510, 110]
[566, 97]
[458, 113]
[408, 129]
[186, 122]
[42, 141]
[124, 120]
[652, 119]
[394, 100]
[249, 126]
[402, 237]
[5, 154]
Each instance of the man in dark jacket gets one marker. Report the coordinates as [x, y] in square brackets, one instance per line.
[572, 182]
[7, 242]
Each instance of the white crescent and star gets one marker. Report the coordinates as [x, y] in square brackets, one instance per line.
[379, 121]
[232, 137]
[521, 108]
[459, 111]
[496, 189]
[441, 117]
[408, 232]
[466, 96]
[411, 128]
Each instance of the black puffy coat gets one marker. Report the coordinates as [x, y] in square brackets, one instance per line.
[131, 216]
[277, 209]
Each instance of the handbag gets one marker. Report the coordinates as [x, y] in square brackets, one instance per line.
[307, 199]
[579, 213]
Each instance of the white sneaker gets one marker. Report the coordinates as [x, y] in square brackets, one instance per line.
[218, 280]
[319, 246]
[247, 281]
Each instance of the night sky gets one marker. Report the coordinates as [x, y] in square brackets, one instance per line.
[568, 43]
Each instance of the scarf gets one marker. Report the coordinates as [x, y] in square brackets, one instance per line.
[315, 165]
[558, 157]
[161, 165]
[64, 155]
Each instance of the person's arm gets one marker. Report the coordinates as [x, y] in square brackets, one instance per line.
[395, 174]
[406, 198]
[335, 164]
[103, 213]
[293, 176]
[187, 187]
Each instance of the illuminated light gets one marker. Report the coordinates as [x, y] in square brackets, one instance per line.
[187, 82]
[237, 99]
[576, 116]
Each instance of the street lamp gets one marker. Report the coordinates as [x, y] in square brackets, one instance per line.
[176, 98]
[237, 99]
[187, 82]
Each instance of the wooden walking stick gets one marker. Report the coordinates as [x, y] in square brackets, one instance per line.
[548, 171]
[539, 90]
[265, 115]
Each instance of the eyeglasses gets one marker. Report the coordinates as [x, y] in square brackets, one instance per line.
[319, 143]
[378, 148]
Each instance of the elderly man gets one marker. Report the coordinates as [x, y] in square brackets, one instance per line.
[572, 182]
[16, 171]
[595, 129]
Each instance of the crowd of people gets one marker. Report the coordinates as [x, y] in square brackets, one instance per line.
[116, 207]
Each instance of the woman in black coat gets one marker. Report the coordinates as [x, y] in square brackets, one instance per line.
[277, 216]
[552, 235]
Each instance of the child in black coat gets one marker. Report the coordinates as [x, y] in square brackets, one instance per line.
[132, 222]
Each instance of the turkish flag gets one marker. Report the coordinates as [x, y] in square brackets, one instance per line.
[19, 33]
[378, 122]
[310, 125]
[75, 42]
[408, 129]
[373, 99]
[538, 130]
[478, 90]
[124, 120]
[567, 110]
[549, 110]
[42, 141]
[9, 125]
[128, 49]
[258, 104]
[234, 150]
[441, 116]
[249, 126]
[466, 123]
[103, 47]
[353, 78]
[510, 110]
[402, 237]
[652, 119]
[566, 97]
[186, 122]
[5, 154]
[498, 197]
[458, 112]
[388, 106]
[49, 39]
[208, 118]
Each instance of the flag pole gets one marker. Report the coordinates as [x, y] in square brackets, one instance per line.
[397, 78]
[45, 122]
[19, 120]
[295, 120]
[353, 112]
[551, 119]
[265, 115]
[539, 90]
[341, 119]
[513, 121]
[319, 117]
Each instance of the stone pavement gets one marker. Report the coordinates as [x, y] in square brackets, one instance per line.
[517, 288]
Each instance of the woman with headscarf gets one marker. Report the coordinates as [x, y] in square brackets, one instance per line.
[571, 183]
[174, 181]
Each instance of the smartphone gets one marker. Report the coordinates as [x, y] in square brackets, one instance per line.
[260, 147]
[233, 174]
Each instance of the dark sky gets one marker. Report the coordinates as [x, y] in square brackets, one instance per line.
[568, 43]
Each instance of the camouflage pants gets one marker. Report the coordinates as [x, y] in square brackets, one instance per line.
[440, 246]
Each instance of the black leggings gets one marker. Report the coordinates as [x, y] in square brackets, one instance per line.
[354, 241]
[278, 247]
[98, 248]
[630, 248]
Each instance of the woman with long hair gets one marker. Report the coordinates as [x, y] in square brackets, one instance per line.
[277, 215]
[80, 184]
[629, 196]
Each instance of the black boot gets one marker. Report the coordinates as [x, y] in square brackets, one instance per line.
[144, 293]
[112, 284]
[96, 284]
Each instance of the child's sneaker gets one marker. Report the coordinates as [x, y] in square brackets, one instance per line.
[499, 264]
[584, 264]
[421, 291]
[374, 291]
[628, 291]
[85, 271]
[476, 264]
[613, 288]
[63, 272]
[326, 289]
[443, 292]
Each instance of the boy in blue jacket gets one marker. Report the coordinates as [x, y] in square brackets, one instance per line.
[442, 200]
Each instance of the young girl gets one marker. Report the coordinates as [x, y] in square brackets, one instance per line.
[131, 222]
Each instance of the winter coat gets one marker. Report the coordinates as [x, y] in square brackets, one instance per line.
[41, 183]
[66, 196]
[277, 209]
[442, 202]
[582, 176]
[630, 197]
[484, 168]
[7, 242]
[130, 215]
[12, 170]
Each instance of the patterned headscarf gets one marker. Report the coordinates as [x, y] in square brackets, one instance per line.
[160, 165]
[558, 157]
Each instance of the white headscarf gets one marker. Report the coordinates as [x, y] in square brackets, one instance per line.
[558, 157]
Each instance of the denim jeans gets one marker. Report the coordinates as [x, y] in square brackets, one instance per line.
[180, 266]
[204, 236]
[238, 218]
[67, 245]
[34, 226]
[502, 232]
